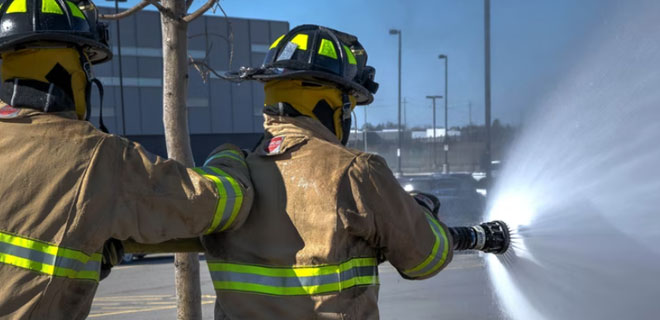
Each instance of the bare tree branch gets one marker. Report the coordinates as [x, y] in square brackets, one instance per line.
[209, 34]
[188, 4]
[208, 5]
[231, 36]
[165, 11]
[204, 69]
[125, 13]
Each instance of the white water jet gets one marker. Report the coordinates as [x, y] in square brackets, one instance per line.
[581, 187]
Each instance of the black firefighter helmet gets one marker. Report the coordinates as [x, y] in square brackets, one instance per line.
[317, 53]
[35, 23]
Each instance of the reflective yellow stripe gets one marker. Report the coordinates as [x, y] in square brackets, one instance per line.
[46, 258]
[299, 271]
[50, 6]
[277, 41]
[296, 291]
[301, 41]
[222, 199]
[436, 259]
[17, 6]
[238, 197]
[42, 247]
[349, 54]
[305, 280]
[327, 49]
[75, 10]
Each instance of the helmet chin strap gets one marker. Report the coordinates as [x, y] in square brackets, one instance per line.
[87, 66]
[345, 118]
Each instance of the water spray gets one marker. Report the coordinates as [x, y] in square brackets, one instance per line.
[490, 237]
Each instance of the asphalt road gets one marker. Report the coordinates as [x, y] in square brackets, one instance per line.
[145, 290]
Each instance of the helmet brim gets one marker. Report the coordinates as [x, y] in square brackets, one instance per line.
[362, 95]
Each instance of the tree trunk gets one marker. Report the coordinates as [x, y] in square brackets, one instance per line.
[175, 119]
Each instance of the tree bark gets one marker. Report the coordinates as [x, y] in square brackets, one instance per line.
[175, 119]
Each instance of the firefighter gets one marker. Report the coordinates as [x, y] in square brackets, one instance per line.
[67, 187]
[324, 216]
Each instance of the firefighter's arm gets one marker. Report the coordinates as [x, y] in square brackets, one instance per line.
[409, 236]
[156, 199]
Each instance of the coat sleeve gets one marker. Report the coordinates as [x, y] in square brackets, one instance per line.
[151, 199]
[414, 242]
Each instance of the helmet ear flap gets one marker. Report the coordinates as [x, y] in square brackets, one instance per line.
[367, 79]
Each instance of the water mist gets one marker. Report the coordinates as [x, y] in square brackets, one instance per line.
[581, 187]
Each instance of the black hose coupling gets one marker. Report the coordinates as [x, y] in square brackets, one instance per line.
[489, 237]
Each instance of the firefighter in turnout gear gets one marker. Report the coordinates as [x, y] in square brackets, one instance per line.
[66, 187]
[324, 216]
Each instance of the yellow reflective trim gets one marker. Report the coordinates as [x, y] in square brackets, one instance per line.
[43, 247]
[238, 200]
[327, 49]
[301, 41]
[277, 41]
[75, 10]
[222, 201]
[293, 271]
[50, 6]
[434, 251]
[47, 268]
[349, 54]
[292, 291]
[17, 6]
[53, 250]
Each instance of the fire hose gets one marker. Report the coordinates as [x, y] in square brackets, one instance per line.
[489, 237]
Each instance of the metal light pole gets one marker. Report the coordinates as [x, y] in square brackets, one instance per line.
[487, 83]
[445, 166]
[121, 72]
[435, 162]
[364, 129]
[398, 150]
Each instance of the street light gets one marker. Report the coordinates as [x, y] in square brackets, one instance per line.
[398, 150]
[364, 129]
[121, 72]
[487, 86]
[435, 164]
[445, 166]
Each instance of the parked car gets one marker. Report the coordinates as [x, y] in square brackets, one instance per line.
[461, 204]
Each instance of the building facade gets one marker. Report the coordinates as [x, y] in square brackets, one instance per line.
[219, 111]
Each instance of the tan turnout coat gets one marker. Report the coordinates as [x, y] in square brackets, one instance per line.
[323, 218]
[66, 187]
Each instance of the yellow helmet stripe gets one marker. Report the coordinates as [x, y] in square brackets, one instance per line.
[75, 10]
[349, 54]
[50, 6]
[327, 49]
[301, 41]
[276, 42]
[17, 6]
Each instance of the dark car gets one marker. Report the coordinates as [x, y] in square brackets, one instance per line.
[461, 204]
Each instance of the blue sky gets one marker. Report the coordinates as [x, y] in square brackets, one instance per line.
[532, 44]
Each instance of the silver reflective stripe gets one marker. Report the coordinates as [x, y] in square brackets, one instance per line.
[226, 154]
[231, 195]
[46, 258]
[440, 254]
[275, 281]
